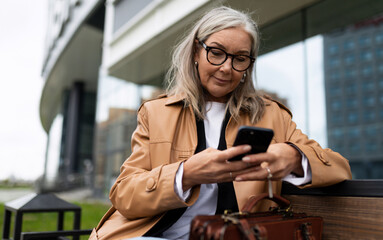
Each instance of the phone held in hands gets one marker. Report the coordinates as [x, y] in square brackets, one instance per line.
[258, 138]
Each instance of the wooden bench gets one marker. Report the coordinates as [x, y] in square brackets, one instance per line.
[351, 210]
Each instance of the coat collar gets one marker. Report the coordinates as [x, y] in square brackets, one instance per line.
[175, 99]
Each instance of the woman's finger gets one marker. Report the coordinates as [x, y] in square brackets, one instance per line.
[235, 151]
[257, 159]
[252, 174]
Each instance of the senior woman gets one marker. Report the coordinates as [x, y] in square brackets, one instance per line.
[178, 167]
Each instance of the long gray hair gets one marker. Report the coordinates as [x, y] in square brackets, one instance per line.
[182, 77]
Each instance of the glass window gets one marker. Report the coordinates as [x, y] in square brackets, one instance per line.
[371, 147]
[350, 74]
[336, 105]
[349, 45]
[366, 56]
[367, 71]
[352, 103]
[336, 119]
[379, 53]
[351, 88]
[369, 101]
[364, 41]
[116, 119]
[354, 133]
[335, 76]
[352, 117]
[355, 147]
[338, 133]
[379, 37]
[369, 116]
[368, 86]
[333, 49]
[371, 131]
[335, 91]
[281, 78]
[349, 59]
[334, 62]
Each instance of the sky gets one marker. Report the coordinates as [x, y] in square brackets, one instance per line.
[22, 138]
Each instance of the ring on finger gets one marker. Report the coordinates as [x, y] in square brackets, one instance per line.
[269, 174]
[231, 176]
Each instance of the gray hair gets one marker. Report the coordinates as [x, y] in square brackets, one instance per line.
[182, 77]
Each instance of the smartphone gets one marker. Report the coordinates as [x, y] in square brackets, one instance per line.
[258, 138]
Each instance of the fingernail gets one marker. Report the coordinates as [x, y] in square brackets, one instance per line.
[245, 158]
[238, 179]
[247, 147]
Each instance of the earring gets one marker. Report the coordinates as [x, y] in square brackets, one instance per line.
[196, 63]
[243, 78]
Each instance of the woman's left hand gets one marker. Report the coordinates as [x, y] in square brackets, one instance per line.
[281, 158]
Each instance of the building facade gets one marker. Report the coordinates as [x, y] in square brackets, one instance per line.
[354, 94]
[73, 53]
[104, 57]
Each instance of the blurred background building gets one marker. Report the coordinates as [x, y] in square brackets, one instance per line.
[354, 94]
[103, 58]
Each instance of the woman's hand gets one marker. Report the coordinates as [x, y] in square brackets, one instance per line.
[211, 166]
[281, 158]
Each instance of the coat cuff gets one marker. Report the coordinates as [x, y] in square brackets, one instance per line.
[178, 184]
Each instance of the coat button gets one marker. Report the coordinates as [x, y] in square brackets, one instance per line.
[150, 184]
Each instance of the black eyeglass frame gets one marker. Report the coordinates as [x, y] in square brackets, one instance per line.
[208, 48]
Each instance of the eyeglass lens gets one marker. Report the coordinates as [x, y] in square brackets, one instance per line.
[217, 56]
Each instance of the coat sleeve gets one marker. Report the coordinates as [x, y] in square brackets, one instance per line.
[140, 190]
[327, 167]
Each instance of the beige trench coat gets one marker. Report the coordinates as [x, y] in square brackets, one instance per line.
[165, 136]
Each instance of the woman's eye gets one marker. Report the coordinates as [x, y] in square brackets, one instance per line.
[240, 59]
[217, 52]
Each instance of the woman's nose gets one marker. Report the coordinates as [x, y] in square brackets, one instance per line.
[226, 66]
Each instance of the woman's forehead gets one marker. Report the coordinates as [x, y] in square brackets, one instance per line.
[236, 38]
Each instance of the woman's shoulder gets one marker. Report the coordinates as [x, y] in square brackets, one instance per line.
[273, 103]
[161, 101]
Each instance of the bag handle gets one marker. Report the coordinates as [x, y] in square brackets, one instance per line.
[282, 202]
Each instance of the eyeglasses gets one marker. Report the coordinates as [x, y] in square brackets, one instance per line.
[217, 56]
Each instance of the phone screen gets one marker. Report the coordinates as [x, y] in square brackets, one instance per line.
[258, 138]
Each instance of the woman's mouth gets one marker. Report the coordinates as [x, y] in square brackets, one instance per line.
[221, 81]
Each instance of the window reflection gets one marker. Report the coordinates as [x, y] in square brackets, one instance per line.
[379, 37]
[349, 45]
[360, 86]
[349, 59]
[350, 86]
[364, 41]
[118, 101]
[366, 56]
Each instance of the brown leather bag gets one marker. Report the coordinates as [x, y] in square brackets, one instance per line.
[277, 223]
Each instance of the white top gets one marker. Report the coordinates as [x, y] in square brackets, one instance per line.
[206, 204]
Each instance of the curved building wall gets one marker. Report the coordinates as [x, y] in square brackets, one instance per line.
[68, 100]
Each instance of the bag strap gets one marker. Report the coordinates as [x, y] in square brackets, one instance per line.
[252, 233]
[282, 202]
